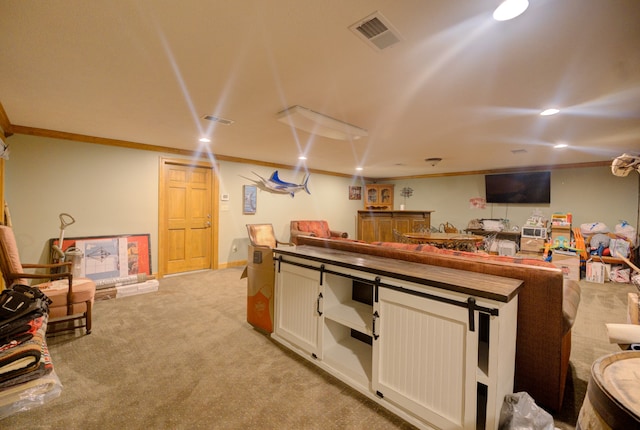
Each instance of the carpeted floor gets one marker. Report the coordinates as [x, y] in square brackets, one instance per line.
[185, 358]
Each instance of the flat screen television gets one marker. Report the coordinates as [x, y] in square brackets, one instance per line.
[527, 187]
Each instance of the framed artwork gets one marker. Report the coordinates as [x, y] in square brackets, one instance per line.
[355, 193]
[106, 257]
[249, 200]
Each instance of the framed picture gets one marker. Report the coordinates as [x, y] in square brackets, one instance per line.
[106, 257]
[249, 193]
[355, 193]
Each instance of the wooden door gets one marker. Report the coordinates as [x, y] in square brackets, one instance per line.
[186, 217]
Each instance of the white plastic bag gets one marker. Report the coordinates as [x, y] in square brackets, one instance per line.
[520, 412]
[619, 248]
[593, 227]
[620, 274]
[628, 231]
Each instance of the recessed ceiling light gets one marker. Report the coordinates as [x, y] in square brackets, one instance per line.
[548, 112]
[359, 169]
[560, 145]
[204, 140]
[302, 157]
[510, 9]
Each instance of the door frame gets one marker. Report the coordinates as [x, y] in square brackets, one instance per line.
[162, 225]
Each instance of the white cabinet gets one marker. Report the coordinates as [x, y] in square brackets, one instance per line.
[423, 354]
[298, 307]
[409, 337]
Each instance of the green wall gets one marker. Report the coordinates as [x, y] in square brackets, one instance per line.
[111, 190]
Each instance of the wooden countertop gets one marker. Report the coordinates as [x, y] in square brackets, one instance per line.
[443, 237]
[385, 211]
[481, 285]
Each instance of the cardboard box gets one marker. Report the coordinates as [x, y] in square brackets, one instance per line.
[570, 265]
[260, 287]
[560, 231]
[597, 272]
[528, 244]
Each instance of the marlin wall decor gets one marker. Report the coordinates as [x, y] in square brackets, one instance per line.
[276, 185]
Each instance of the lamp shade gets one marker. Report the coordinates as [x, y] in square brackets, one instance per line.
[319, 124]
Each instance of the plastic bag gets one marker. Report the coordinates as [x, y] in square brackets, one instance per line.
[627, 231]
[619, 248]
[620, 274]
[593, 228]
[28, 395]
[520, 412]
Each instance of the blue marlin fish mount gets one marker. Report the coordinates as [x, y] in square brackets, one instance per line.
[276, 185]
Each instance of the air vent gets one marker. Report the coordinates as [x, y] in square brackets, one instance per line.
[218, 119]
[518, 151]
[376, 31]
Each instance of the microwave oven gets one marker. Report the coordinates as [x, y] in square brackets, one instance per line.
[535, 232]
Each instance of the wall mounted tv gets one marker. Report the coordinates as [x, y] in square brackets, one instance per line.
[527, 187]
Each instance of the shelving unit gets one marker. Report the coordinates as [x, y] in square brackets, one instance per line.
[346, 354]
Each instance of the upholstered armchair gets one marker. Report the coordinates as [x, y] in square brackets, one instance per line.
[71, 298]
[263, 235]
[319, 228]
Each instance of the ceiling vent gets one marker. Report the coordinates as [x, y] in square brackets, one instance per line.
[218, 119]
[376, 31]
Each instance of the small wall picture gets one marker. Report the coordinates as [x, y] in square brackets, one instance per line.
[249, 193]
[355, 193]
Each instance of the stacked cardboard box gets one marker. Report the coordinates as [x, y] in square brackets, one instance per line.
[569, 262]
[530, 244]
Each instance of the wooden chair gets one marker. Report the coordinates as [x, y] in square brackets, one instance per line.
[264, 235]
[399, 237]
[71, 299]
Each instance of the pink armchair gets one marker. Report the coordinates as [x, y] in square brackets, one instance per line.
[319, 228]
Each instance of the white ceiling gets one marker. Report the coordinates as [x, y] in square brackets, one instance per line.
[459, 86]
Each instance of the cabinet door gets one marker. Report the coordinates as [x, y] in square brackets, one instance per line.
[424, 358]
[384, 227]
[403, 224]
[371, 196]
[299, 307]
[386, 196]
[366, 228]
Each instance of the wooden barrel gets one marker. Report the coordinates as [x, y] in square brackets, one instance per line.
[613, 393]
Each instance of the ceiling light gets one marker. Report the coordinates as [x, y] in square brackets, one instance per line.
[433, 161]
[218, 119]
[560, 145]
[548, 112]
[510, 9]
[359, 169]
[319, 124]
[204, 140]
[302, 157]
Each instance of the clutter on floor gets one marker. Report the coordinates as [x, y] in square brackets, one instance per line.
[27, 377]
